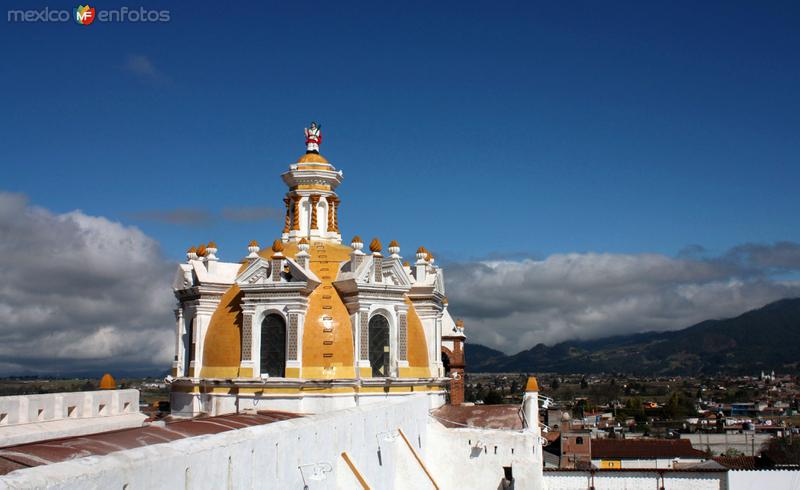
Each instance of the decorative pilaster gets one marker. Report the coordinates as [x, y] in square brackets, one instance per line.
[294, 341]
[314, 199]
[335, 205]
[179, 350]
[291, 338]
[287, 222]
[247, 337]
[402, 336]
[364, 336]
[296, 215]
[377, 259]
[329, 199]
[276, 262]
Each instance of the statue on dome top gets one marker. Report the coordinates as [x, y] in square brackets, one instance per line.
[313, 138]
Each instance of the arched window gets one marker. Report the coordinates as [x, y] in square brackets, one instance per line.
[379, 346]
[273, 346]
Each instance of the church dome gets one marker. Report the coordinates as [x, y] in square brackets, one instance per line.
[107, 382]
[326, 313]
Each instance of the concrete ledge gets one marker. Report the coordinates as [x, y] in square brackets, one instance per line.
[56, 429]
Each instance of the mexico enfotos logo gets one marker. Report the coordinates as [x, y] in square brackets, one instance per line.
[85, 15]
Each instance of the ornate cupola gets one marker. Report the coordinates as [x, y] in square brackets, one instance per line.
[312, 204]
[307, 323]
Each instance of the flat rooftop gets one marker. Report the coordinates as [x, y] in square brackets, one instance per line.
[56, 450]
[479, 416]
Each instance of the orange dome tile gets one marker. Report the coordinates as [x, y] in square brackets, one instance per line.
[375, 245]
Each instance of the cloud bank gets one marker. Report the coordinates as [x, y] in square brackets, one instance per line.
[512, 305]
[80, 293]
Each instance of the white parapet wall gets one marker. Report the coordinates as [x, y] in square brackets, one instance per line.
[763, 479]
[31, 418]
[630, 480]
[279, 455]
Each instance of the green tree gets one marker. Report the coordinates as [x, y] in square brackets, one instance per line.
[493, 397]
[783, 450]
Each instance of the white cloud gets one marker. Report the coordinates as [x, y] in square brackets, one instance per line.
[512, 305]
[80, 292]
[143, 68]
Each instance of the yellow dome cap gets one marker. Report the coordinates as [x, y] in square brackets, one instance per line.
[312, 158]
[107, 382]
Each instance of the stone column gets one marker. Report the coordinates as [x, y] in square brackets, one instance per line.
[288, 220]
[314, 199]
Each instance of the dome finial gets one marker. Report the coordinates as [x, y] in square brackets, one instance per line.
[394, 249]
[253, 248]
[375, 246]
[356, 243]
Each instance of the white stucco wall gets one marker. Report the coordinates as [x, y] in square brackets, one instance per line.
[474, 458]
[634, 480]
[763, 480]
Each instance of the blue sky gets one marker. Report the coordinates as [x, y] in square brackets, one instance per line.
[476, 129]
[582, 168]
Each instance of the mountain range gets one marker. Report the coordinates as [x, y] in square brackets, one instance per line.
[762, 339]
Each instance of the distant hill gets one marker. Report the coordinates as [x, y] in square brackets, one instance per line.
[766, 338]
[480, 355]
